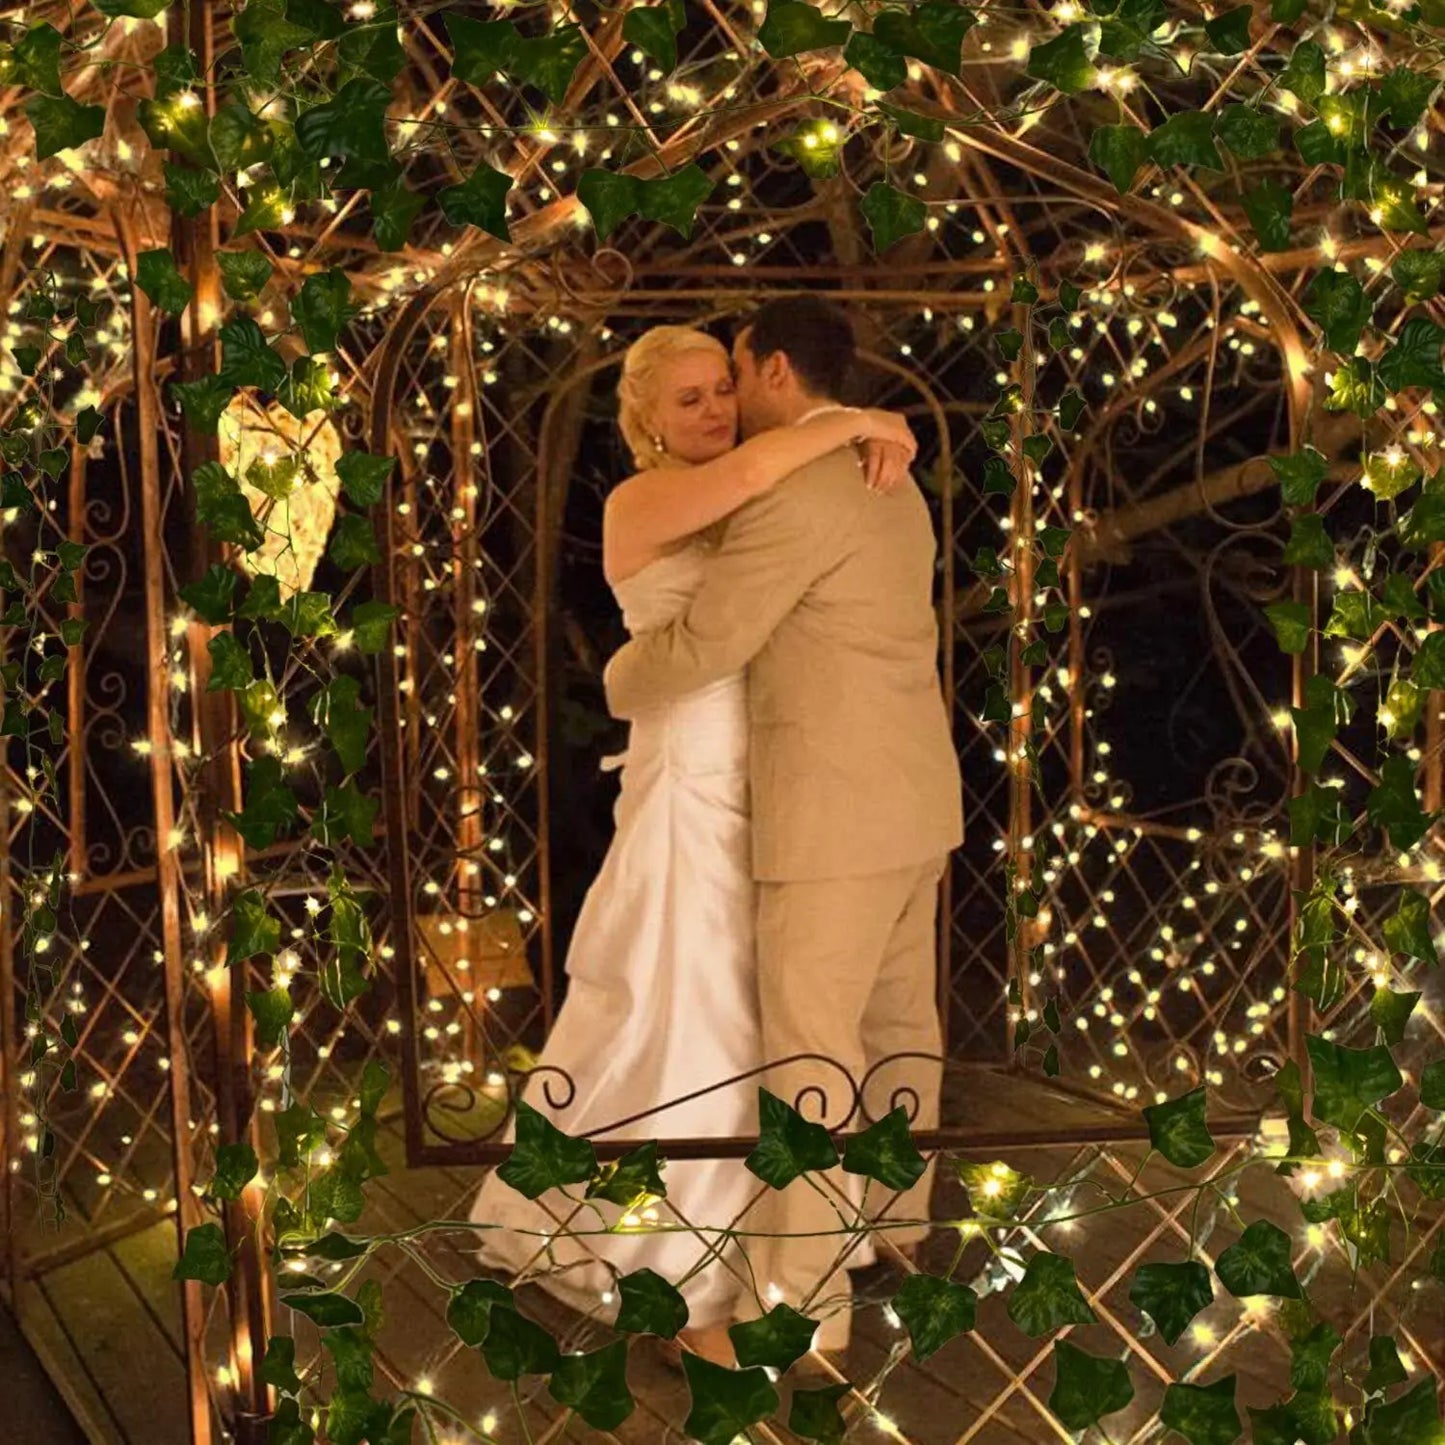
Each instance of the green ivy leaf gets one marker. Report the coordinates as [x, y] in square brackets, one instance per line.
[1309, 544]
[673, 200]
[480, 201]
[263, 600]
[595, 1385]
[1249, 133]
[1391, 1012]
[1355, 614]
[516, 1346]
[1128, 28]
[243, 273]
[1310, 1357]
[1203, 1414]
[1385, 1367]
[1087, 1388]
[1394, 804]
[1419, 274]
[1299, 476]
[299, 1131]
[1269, 207]
[279, 1366]
[1348, 1082]
[880, 65]
[1048, 1297]
[610, 197]
[469, 1311]
[1318, 815]
[36, 58]
[364, 476]
[308, 614]
[1414, 359]
[1185, 139]
[1337, 304]
[1317, 723]
[288, 1428]
[550, 61]
[271, 806]
[347, 724]
[725, 1403]
[919, 127]
[265, 36]
[789, 1145]
[350, 1351]
[1413, 1419]
[885, 1151]
[1177, 1129]
[1119, 151]
[1407, 930]
[1229, 32]
[203, 401]
[653, 30]
[247, 359]
[237, 139]
[1259, 1263]
[1405, 94]
[347, 813]
[630, 1179]
[62, 123]
[1172, 1295]
[932, 32]
[236, 1166]
[1355, 387]
[253, 930]
[1063, 62]
[353, 543]
[1291, 623]
[230, 664]
[1308, 1417]
[213, 597]
[814, 1414]
[777, 1340]
[891, 215]
[650, 1305]
[793, 28]
[371, 625]
[323, 309]
[352, 125]
[273, 1012]
[934, 1311]
[1428, 668]
[393, 210]
[544, 1157]
[307, 388]
[156, 275]
[328, 1310]
[1071, 407]
[372, 48]
[1304, 76]
[205, 1256]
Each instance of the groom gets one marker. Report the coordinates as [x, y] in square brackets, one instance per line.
[822, 590]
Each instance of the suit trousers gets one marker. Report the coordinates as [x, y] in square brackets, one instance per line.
[847, 969]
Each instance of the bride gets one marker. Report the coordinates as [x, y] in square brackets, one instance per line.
[662, 995]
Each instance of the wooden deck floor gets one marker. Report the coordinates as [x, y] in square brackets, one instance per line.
[110, 1318]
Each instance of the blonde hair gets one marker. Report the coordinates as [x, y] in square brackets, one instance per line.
[642, 370]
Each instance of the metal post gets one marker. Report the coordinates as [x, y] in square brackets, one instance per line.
[168, 879]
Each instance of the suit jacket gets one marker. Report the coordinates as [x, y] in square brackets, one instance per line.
[823, 592]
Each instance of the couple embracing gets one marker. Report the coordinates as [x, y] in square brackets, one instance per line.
[789, 798]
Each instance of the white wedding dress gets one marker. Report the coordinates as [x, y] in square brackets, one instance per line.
[662, 994]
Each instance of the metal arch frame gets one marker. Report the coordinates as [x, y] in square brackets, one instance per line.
[422, 1150]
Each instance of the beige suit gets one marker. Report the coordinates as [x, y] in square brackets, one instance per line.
[822, 591]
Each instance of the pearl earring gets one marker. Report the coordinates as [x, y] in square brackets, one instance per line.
[659, 446]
